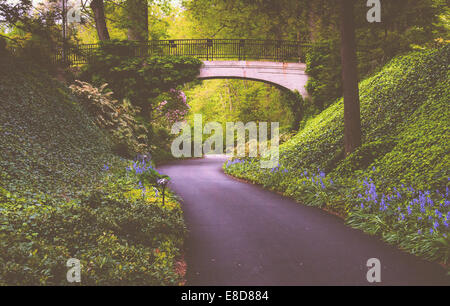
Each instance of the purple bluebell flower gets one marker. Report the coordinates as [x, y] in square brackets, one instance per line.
[422, 208]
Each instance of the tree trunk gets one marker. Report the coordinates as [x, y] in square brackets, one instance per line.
[137, 11]
[100, 20]
[300, 53]
[313, 21]
[352, 120]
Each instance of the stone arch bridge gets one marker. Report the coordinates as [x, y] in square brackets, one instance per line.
[276, 62]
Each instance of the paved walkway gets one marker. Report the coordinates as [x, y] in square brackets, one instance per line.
[241, 234]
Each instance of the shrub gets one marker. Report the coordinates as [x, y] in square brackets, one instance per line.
[139, 79]
[130, 137]
[121, 235]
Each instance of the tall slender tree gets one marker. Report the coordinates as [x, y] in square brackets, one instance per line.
[352, 120]
[137, 11]
[98, 8]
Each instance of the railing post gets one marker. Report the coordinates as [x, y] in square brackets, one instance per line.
[239, 51]
[241, 46]
[209, 44]
[299, 46]
[277, 51]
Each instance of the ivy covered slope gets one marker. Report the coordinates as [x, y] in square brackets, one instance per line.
[64, 194]
[397, 184]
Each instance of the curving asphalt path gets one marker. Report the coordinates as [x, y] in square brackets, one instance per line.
[241, 234]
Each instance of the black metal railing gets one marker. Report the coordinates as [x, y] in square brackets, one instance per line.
[204, 49]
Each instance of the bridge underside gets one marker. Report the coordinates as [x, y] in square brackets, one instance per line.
[290, 76]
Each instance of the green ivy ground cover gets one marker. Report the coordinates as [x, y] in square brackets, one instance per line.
[397, 184]
[63, 195]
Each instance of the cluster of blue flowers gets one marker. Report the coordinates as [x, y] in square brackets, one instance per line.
[140, 167]
[278, 169]
[235, 161]
[420, 207]
[318, 178]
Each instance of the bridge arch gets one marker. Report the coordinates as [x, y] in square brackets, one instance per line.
[291, 76]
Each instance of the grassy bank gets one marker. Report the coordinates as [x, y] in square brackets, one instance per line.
[65, 194]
